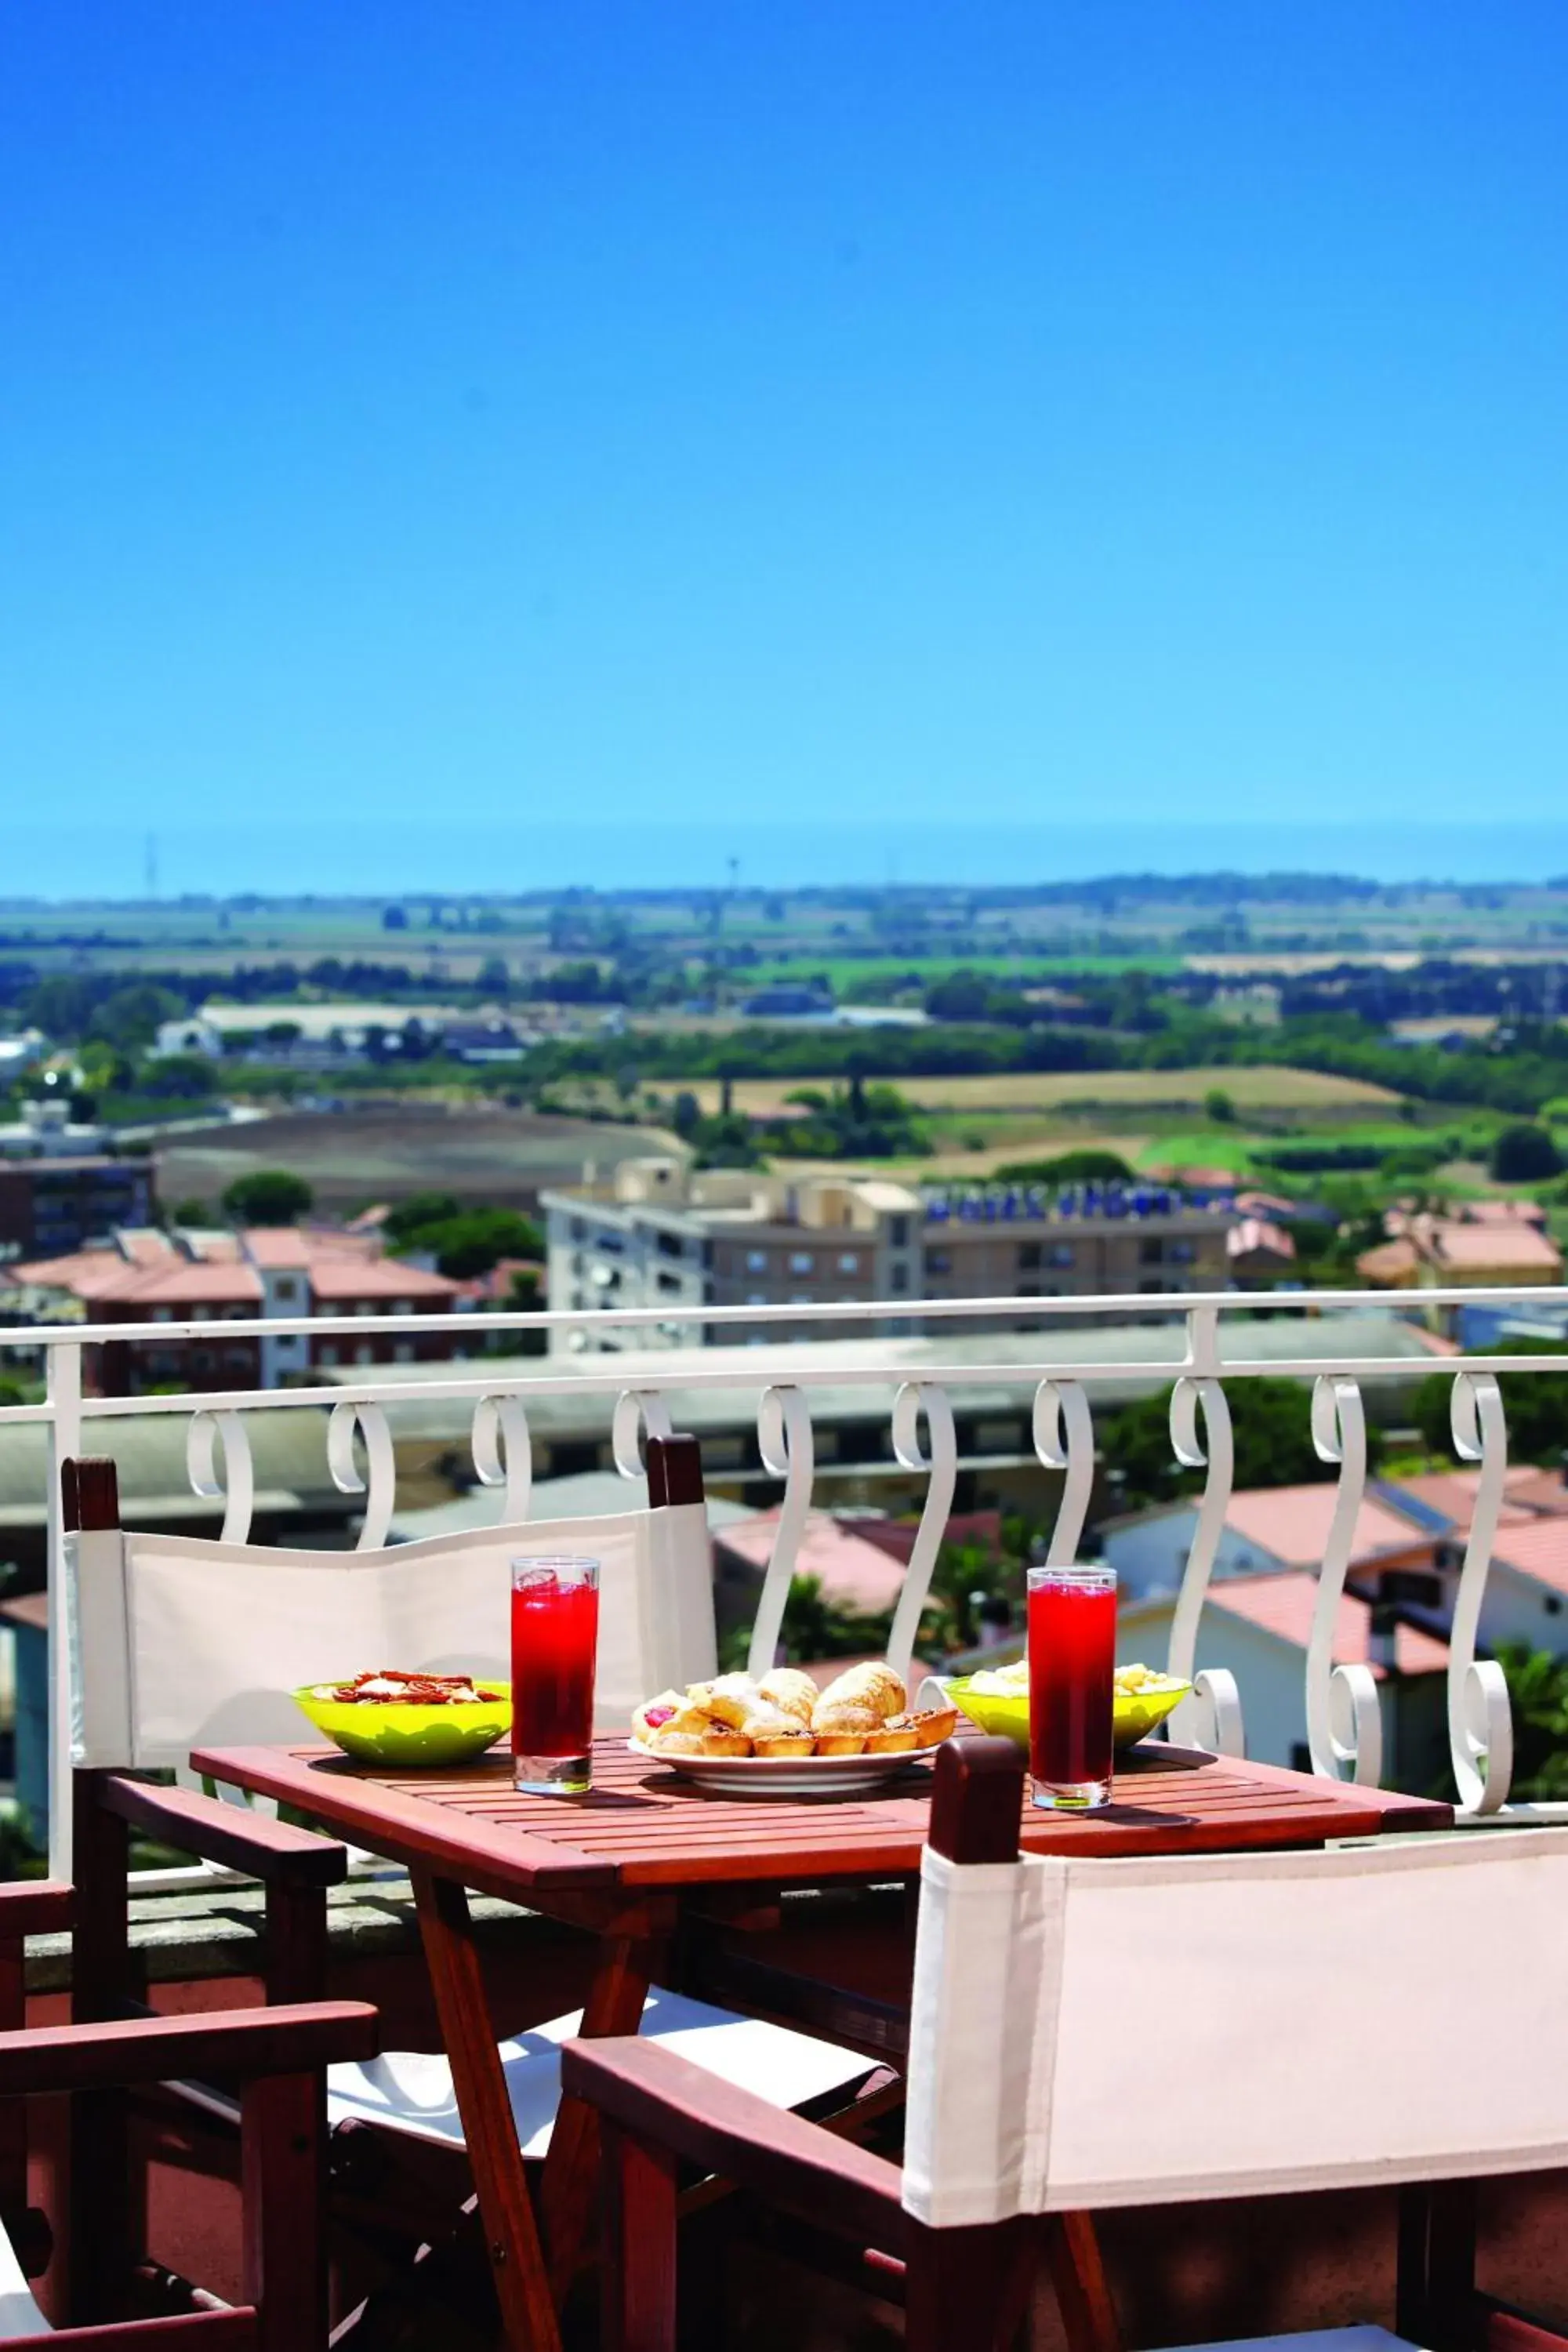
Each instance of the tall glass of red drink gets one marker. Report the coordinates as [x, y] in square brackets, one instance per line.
[1072, 1655]
[554, 1633]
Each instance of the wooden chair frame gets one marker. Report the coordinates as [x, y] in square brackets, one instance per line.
[278, 2056]
[958, 2285]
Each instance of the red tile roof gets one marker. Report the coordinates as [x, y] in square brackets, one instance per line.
[1283, 1605]
[1256, 1234]
[1511, 1248]
[1539, 1551]
[348, 1278]
[853, 1571]
[1291, 1525]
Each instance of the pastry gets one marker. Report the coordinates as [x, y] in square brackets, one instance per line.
[935, 1724]
[766, 1722]
[895, 1738]
[829, 1717]
[659, 1714]
[729, 1700]
[872, 1685]
[795, 1741]
[841, 1743]
[721, 1741]
[676, 1743]
[787, 1688]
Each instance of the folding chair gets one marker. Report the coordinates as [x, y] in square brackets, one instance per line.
[181, 1643]
[277, 2053]
[1369, 2016]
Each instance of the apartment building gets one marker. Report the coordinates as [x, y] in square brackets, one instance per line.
[146, 1276]
[62, 1202]
[664, 1235]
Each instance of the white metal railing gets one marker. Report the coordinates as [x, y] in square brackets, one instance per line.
[1344, 1724]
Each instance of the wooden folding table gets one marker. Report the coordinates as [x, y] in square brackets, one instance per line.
[626, 1861]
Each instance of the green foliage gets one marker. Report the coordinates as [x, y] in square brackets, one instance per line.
[1218, 1106]
[190, 1212]
[1524, 1154]
[1538, 1696]
[814, 1627]
[420, 1210]
[471, 1241]
[129, 1017]
[1270, 1420]
[1068, 1167]
[269, 1196]
[1536, 1405]
[177, 1077]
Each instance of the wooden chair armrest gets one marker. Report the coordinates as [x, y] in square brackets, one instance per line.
[791, 2163]
[34, 1906]
[251, 1843]
[244, 2042]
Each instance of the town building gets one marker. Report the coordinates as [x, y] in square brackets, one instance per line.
[142, 1275]
[662, 1234]
[63, 1200]
[1483, 1245]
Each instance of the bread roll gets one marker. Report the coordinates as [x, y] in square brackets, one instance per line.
[766, 1722]
[787, 1688]
[841, 1743]
[873, 1685]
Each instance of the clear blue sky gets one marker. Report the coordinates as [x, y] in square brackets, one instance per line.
[500, 443]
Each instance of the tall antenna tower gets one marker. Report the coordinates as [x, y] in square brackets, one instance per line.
[150, 867]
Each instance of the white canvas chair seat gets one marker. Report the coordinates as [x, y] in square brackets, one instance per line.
[1088, 2034]
[19, 2314]
[411, 2091]
[181, 1643]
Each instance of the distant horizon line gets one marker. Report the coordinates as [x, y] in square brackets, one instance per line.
[1238, 882]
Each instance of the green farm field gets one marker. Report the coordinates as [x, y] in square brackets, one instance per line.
[1083, 1093]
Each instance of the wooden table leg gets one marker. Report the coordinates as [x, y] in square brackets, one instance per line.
[506, 2208]
[614, 2005]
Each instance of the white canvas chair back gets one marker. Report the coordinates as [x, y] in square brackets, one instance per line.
[179, 1643]
[1087, 2034]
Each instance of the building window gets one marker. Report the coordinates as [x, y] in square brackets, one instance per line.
[327, 1353]
[850, 1262]
[802, 1262]
[364, 1353]
[939, 1261]
[1180, 1253]
[1029, 1290]
[238, 1360]
[756, 1260]
[1028, 1256]
[669, 1245]
[1061, 1254]
[756, 1298]
[286, 1290]
[403, 1306]
[898, 1233]
[901, 1280]
[163, 1314]
[404, 1353]
[668, 1281]
[1151, 1253]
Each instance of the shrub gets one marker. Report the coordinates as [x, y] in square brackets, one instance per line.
[269, 1196]
[1524, 1154]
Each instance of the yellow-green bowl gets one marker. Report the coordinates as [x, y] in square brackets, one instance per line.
[395, 1731]
[1137, 1712]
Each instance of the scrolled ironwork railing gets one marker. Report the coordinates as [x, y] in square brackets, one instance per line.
[1341, 1696]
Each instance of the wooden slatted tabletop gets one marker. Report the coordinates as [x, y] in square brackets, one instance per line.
[642, 1827]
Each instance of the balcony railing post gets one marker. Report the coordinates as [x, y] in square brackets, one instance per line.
[1211, 1717]
[63, 1389]
[1344, 1719]
[1481, 1721]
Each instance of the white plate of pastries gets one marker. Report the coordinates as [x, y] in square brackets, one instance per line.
[780, 1735]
